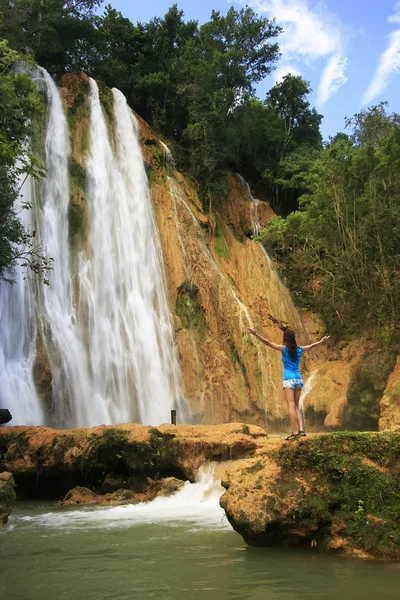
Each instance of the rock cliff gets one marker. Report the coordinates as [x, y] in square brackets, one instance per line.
[220, 282]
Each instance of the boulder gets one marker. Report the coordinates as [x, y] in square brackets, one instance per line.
[7, 496]
[337, 492]
[5, 416]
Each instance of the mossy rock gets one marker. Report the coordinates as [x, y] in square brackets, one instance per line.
[189, 308]
[366, 387]
[220, 245]
[339, 492]
[7, 496]
[113, 451]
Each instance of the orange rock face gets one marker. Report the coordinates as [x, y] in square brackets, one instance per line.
[390, 403]
[220, 282]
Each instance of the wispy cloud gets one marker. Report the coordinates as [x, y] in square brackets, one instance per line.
[389, 61]
[333, 77]
[283, 70]
[311, 33]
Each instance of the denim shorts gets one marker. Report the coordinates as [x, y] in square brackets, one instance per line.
[293, 384]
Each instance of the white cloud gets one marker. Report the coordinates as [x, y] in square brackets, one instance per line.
[389, 61]
[283, 70]
[395, 17]
[310, 34]
[333, 77]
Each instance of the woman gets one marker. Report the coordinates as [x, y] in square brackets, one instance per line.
[292, 379]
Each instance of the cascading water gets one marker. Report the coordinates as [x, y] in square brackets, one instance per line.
[111, 356]
[122, 288]
[17, 342]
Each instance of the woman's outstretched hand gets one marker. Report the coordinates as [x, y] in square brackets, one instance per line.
[326, 337]
[252, 331]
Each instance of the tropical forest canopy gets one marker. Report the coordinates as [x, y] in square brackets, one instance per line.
[336, 235]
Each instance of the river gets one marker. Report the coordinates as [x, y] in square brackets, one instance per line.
[173, 548]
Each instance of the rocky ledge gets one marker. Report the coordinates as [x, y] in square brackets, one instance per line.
[118, 464]
[338, 492]
[7, 496]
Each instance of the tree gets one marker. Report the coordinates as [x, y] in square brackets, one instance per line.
[230, 54]
[299, 122]
[19, 104]
[345, 239]
[59, 34]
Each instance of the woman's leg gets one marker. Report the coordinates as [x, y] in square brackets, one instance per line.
[299, 415]
[289, 395]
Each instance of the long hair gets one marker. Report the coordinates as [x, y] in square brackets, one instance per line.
[289, 340]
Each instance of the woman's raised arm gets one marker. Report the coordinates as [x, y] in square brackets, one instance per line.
[264, 341]
[326, 337]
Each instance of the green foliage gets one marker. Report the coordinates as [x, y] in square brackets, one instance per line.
[354, 480]
[193, 83]
[60, 34]
[20, 104]
[340, 251]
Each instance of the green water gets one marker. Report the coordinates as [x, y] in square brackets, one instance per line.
[123, 553]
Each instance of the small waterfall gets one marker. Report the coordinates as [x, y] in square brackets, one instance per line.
[307, 389]
[112, 356]
[168, 158]
[195, 503]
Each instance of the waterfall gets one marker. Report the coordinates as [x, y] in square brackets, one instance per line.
[17, 342]
[122, 287]
[111, 355]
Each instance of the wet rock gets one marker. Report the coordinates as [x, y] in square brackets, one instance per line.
[80, 495]
[165, 487]
[5, 416]
[7, 496]
[112, 483]
[149, 491]
[337, 493]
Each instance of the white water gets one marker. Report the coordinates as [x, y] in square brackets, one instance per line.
[307, 388]
[17, 342]
[197, 503]
[112, 357]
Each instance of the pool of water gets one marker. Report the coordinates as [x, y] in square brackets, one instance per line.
[173, 548]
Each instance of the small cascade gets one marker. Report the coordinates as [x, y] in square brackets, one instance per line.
[195, 503]
[307, 389]
[104, 334]
[168, 158]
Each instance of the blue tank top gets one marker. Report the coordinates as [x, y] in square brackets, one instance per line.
[291, 367]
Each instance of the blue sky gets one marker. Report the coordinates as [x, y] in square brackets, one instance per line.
[348, 49]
